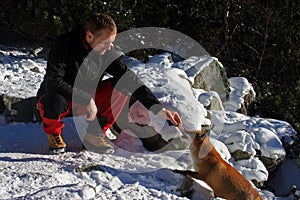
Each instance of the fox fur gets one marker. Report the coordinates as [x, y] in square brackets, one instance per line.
[209, 166]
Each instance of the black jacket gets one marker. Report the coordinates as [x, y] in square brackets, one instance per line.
[71, 59]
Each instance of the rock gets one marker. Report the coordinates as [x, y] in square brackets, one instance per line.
[251, 137]
[211, 100]
[253, 169]
[89, 167]
[159, 135]
[35, 69]
[240, 155]
[272, 152]
[215, 104]
[206, 73]
[295, 192]
[88, 192]
[248, 99]
[17, 109]
[241, 96]
[271, 163]
[240, 144]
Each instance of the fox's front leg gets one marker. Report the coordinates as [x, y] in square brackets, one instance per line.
[188, 173]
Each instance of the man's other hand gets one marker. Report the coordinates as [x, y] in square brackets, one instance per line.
[171, 116]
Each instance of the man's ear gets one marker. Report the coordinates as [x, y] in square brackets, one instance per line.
[89, 36]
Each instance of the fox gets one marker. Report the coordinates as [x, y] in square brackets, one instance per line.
[210, 167]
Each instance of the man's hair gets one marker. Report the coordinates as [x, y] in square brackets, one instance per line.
[99, 22]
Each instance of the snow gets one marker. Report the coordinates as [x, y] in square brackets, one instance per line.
[193, 65]
[16, 75]
[239, 87]
[29, 171]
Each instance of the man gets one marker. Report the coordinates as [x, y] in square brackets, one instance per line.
[59, 96]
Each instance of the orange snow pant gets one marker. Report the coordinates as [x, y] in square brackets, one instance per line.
[54, 107]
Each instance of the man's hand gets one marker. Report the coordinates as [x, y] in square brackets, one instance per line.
[92, 111]
[171, 116]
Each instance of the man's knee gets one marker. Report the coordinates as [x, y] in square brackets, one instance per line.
[53, 105]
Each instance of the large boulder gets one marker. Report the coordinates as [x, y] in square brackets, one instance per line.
[174, 90]
[206, 73]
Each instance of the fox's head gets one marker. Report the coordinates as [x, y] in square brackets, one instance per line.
[198, 136]
[201, 145]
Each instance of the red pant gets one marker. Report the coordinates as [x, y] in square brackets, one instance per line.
[53, 108]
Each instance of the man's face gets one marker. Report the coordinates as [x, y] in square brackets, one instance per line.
[102, 41]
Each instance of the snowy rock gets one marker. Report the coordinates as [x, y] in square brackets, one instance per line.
[198, 188]
[211, 99]
[206, 73]
[169, 85]
[161, 61]
[245, 136]
[174, 91]
[241, 96]
[252, 169]
[88, 193]
[284, 131]
[272, 151]
[239, 142]
[221, 148]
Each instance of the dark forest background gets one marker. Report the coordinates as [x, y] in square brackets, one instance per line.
[256, 39]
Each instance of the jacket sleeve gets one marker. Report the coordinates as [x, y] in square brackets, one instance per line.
[56, 70]
[127, 82]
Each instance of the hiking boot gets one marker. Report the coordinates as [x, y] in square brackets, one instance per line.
[96, 143]
[56, 143]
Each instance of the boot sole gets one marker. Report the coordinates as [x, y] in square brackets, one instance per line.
[58, 150]
[96, 149]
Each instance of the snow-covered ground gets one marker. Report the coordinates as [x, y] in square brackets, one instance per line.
[29, 171]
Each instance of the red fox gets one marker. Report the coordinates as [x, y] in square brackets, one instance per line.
[209, 166]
